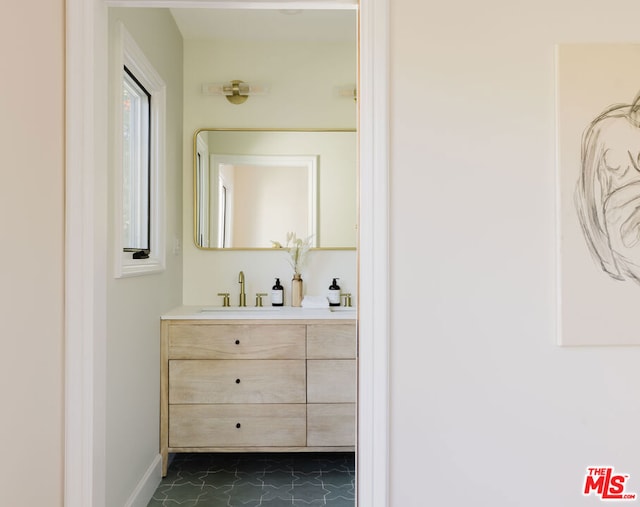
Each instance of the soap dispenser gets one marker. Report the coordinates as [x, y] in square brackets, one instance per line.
[277, 294]
[334, 293]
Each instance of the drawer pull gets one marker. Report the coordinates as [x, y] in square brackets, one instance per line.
[237, 342]
[237, 381]
[238, 425]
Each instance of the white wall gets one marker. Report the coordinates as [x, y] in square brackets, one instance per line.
[32, 253]
[302, 78]
[135, 304]
[486, 408]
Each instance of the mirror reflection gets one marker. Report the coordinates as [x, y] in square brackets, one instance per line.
[252, 186]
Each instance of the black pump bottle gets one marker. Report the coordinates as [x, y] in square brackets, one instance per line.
[334, 293]
[277, 294]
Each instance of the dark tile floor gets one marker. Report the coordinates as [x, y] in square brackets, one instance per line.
[252, 480]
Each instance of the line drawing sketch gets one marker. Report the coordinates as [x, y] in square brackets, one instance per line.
[597, 193]
[607, 193]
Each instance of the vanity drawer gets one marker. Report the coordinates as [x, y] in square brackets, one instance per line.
[331, 381]
[237, 425]
[237, 381]
[337, 341]
[331, 424]
[236, 341]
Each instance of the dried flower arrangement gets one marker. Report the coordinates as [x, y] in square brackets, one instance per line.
[297, 248]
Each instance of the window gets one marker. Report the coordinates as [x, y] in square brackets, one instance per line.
[138, 160]
[136, 150]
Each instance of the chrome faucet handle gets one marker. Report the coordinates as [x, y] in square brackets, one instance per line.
[225, 298]
[347, 299]
[259, 296]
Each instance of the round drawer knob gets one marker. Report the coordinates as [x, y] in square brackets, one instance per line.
[237, 381]
[238, 425]
[237, 342]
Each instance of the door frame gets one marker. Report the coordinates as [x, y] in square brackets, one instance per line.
[86, 246]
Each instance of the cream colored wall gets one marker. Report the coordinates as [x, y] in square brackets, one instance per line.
[302, 78]
[135, 304]
[486, 409]
[32, 253]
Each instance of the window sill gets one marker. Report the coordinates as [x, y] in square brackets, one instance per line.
[138, 267]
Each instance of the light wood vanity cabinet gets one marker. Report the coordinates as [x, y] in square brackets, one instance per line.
[331, 384]
[257, 385]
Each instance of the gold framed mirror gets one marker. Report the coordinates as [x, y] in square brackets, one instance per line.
[253, 186]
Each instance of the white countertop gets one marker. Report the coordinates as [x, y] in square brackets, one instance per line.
[259, 313]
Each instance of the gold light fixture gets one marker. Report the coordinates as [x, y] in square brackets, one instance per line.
[236, 92]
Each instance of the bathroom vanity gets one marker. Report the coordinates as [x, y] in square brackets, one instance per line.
[257, 380]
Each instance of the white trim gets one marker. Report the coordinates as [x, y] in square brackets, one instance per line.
[78, 310]
[128, 53]
[145, 488]
[85, 270]
[201, 180]
[85, 254]
[239, 4]
[222, 179]
[373, 265]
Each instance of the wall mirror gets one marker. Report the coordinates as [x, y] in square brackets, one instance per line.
[252, 186]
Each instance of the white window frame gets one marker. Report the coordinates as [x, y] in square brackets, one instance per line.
[128, 54]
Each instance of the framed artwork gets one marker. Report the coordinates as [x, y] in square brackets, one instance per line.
[598, 189]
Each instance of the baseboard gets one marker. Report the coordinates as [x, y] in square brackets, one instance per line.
[147, 485]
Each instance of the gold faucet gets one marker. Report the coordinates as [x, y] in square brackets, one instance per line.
[243, 296]
[225, 298]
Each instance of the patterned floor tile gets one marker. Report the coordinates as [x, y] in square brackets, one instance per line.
[310, 492]
[283, 493]
[344, 492]
[220, 477]
[277, 478]
[258, 480]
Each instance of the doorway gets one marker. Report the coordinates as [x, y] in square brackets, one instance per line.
[86, 244]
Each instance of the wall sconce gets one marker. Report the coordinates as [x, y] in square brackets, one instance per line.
[347, 91]
[236, 92]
